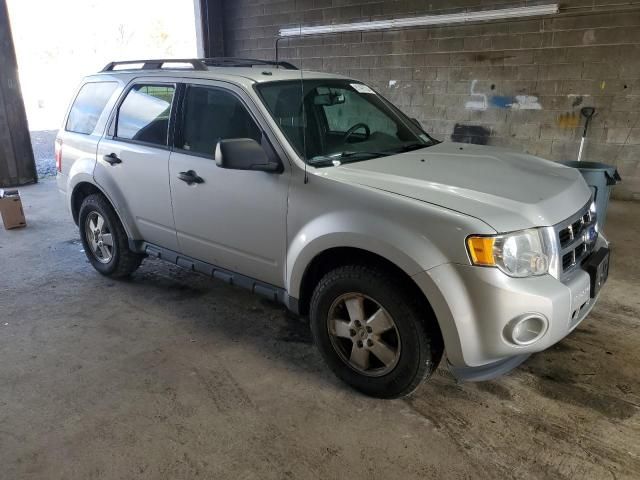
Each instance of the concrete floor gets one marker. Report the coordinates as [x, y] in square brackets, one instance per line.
[172, 375]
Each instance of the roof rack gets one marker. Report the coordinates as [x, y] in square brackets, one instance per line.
[198, 63]
[245, 62]
[156, 63]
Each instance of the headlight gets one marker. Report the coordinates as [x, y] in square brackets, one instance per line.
[593, 214]
[518, 254]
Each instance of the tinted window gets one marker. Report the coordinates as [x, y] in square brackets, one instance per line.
[212, 114]
[88, 106]
[144, 114]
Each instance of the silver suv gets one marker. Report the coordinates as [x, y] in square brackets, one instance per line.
[315, 191]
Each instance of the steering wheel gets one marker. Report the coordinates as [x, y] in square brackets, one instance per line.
[356, 127]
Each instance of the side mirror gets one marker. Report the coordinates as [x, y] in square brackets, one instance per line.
[244, 154]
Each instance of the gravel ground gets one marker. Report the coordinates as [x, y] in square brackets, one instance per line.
[42, 142]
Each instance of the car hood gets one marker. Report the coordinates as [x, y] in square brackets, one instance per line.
[507, 190]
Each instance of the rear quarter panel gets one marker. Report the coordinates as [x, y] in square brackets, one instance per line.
[78, 149]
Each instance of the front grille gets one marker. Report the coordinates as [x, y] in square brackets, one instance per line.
[577, 236]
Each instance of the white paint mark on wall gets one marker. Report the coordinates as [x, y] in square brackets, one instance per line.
[526, 102]
[393, 84]
[479, 101]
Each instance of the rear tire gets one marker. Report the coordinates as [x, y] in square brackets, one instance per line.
[373, 334]
[104, 239]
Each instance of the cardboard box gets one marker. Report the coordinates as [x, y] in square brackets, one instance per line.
[11, 209]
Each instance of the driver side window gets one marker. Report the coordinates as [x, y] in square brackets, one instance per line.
[355, 109]
[212, 114]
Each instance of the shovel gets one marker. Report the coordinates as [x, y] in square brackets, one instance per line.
[587, 112]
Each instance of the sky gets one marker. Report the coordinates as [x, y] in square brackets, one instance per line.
[58, 43]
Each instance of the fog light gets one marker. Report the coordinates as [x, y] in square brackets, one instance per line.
[526, 329]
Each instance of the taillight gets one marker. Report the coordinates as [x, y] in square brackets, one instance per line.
[58, 154]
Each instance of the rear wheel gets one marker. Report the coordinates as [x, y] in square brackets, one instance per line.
[105, 242]
[372, 333]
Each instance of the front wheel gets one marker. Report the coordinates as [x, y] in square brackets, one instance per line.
[372, 333]
[104, 239]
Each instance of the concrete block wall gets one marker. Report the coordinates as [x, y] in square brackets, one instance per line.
[518, 83]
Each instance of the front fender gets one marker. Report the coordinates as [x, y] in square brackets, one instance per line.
[408, 251]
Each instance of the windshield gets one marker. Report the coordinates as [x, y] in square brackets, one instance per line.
[345, 121]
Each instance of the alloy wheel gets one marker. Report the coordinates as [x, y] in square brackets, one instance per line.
[99, 237]
[363, 334]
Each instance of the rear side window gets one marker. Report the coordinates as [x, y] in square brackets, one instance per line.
[144, 114]
[88, 106]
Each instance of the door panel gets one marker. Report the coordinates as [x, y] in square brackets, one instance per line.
[139, 186]
[233, 219]
[133, 163]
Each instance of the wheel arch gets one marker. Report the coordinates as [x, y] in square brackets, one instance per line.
[81, 191]
[85, 188]
[334, 257]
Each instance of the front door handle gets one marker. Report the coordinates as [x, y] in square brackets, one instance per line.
[190, 177]
[112, 159]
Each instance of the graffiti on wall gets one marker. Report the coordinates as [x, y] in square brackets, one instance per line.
[568, 120]
[481, 101]
[470, 134]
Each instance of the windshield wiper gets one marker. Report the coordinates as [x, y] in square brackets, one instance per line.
[412, 146]
[355, 154]
[345, 157]
[341, 157]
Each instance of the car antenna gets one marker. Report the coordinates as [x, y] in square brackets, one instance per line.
[304, 123]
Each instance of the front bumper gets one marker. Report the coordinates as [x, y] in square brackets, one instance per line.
[473, 306]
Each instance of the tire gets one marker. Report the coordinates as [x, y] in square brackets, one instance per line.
[353, 291]
[120, 260]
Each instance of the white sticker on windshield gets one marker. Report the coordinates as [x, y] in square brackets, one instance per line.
[362, 88]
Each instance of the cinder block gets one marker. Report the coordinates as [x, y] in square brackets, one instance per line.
[435, 87]
[437, 59]
[531, 40]
[477, 43]
[565, 71]
[581, 22]
[424, 73]
[550, 56]
[451, 44]
[525, 26]
[426, 46]
[627, 136]
[518, 58]
[370, 61]
[506, 42]
[599, 71]
[525, 131]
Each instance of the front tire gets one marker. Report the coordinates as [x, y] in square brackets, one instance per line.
[105, 242]
[373, 334]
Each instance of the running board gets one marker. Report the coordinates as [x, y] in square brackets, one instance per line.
[232, 278]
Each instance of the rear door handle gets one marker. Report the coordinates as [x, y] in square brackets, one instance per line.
[112, 159]
[190, 177]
